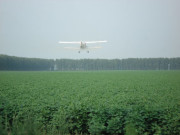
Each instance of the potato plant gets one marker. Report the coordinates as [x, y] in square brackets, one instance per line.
[93, 102]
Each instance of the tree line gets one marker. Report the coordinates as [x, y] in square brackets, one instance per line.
[37, 64]
[24, 64]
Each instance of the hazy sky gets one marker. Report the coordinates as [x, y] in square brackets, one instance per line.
[133, 28]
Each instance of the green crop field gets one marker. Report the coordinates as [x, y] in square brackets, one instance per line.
[99, 102]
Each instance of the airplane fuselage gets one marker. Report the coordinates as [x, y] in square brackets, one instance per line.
[83, 46]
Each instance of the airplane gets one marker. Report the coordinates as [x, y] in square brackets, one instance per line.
[83, 45]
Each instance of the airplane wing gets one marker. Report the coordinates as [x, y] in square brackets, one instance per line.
[74, 42]
[72, 48]
[92, 42]
[96, 47]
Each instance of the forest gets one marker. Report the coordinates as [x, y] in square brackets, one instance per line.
[13, 63]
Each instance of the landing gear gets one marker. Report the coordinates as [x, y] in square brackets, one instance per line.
[80, 51]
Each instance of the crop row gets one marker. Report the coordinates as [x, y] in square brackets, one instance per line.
[111, 102]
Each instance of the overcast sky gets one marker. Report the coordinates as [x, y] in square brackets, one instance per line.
[133, 28]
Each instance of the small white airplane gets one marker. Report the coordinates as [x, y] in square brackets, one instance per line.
[83, 45]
